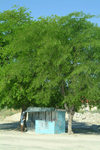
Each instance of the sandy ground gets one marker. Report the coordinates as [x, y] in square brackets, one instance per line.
[86, 137]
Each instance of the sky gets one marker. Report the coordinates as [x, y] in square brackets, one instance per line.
[55, 7]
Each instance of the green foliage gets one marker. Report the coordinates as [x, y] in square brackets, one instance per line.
[50, 61]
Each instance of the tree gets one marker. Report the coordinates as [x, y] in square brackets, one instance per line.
[11, 21]
[66, 64]
[52, 64]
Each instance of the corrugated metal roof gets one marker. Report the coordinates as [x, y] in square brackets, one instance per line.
[42, 109]
[39, 109]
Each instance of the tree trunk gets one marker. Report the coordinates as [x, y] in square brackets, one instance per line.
[71, 112]
[70, 119]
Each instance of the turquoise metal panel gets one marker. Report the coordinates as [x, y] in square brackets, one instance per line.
[60, 122]
[44, 127]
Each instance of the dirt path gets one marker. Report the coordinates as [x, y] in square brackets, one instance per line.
[13, 140]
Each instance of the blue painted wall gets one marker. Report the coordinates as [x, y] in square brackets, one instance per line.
[44, 127]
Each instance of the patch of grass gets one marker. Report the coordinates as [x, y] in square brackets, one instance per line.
[7, 112]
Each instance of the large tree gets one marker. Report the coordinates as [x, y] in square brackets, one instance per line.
[54, 62]
[67, 59]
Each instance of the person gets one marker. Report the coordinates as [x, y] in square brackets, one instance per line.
[23, 121]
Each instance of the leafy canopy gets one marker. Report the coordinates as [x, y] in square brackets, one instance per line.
[51, 61]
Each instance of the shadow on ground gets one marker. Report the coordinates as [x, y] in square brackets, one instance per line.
[9, 126]
[78, 127]
[84, 128]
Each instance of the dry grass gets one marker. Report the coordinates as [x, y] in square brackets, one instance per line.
[7, 112]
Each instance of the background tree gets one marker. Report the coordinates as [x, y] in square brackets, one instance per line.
[11, 21]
